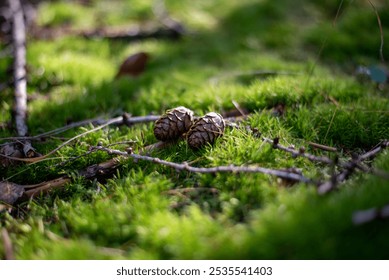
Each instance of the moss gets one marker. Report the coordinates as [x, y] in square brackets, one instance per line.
[258, 54]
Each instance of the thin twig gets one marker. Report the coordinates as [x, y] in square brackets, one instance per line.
[355, 163]
[298, 153]
[254, 73]
[126, 119]
[381, 32]
[239, 108]
[331, 122]
[218, 169]
[11, 192]
[37, 159]
[322, 147]
[337, 13]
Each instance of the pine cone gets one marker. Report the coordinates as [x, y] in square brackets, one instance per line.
[173, 124]
[205, 130]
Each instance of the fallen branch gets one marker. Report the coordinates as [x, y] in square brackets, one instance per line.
[253, 73]
[218, 169]
[125, 119]
[348, 167]
[356, 162]
[135, 33]
[297, 153]
[40, 158]
[11, 192]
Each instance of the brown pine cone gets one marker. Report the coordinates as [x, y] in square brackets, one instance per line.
[205, 130]
[173, 124]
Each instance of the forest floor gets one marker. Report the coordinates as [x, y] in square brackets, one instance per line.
[301, 73]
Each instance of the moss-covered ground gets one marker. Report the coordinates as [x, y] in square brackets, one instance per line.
[148, 211]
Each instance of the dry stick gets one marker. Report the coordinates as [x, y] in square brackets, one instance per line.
[37, 159]
[7, 243]
[337, 13]
[296, 153]
[351, 165]
[91, 172]
[255, 73]
[217, 169]
[19, 69]
[348, 167]
[322, 147]
[126, 120]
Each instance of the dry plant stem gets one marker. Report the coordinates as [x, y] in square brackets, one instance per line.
[348, 167]
[218, 169]
[102, 169]
[352, 165]
[93, 171]
[126, 119]
[381, 31]
[322, 147]
[37, 159]
[46, 186]
[296, 153]
[255, 73]
[7, 243]
[19, 72]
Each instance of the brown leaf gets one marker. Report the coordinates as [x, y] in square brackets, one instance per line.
[10, 150]
[10, 192]
[134, 65]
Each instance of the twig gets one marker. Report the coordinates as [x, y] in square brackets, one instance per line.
[255, 73]
[355, 163]
[169, 30]
[126, 120]
[11, 192]
[239, 108]
[37, 159]
[7, 243]
[19, 71]
[322, 147]
[331, 122]
[337, 13]
[298, 153]
[219, 169]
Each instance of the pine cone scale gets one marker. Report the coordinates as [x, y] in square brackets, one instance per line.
[205, 130]
[173, 124]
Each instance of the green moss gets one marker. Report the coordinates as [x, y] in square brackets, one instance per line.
[258, 54]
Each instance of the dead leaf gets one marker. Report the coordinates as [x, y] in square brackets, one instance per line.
[134, 65]
[10, 150]
[10, 192]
